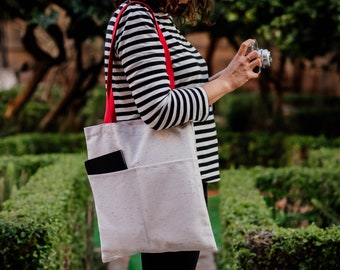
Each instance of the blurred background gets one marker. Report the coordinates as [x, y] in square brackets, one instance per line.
[51, 55]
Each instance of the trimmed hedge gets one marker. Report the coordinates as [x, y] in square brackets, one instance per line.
[328, 158]
[307, 114]
[37, 143]
[242, 211]
[308, 195]
[268, 150]
[235, 149]
[16, 170]
[251, 239]
[43, 225]
[252, 149]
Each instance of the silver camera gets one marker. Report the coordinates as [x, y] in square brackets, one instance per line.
[265, 56]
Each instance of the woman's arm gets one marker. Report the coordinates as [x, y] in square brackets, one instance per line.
[140, 65]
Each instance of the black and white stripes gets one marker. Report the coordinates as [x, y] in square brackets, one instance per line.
[141, 85]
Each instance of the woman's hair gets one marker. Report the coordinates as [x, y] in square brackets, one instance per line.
[192, 11]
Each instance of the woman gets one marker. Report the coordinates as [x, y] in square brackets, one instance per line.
[142, 89]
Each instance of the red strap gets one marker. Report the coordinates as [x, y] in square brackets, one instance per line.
[110, 111]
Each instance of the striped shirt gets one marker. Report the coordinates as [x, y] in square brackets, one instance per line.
[141, 84]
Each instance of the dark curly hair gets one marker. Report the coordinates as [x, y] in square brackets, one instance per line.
[193, 11]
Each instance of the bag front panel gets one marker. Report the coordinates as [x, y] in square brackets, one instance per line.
[157, 208]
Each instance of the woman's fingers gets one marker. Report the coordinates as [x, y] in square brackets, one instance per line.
[242, 51]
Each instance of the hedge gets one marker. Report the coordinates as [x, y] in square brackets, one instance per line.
[269, 150]
[235, 149]
[43, 225]
[328, 158]
[16, 170]
[309, 195]
[307, 114]
[38, 143]
[251, 240]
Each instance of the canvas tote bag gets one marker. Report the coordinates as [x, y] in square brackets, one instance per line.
[156, 204]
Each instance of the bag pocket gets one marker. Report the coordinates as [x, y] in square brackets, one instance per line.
[156, 208]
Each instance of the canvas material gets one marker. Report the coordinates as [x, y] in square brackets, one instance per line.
[157, 204]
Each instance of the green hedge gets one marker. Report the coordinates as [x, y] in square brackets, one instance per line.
[43, 225]
[252, 149]
[303, 114]
[269, 150]
[251, 240]
[235, 149]
[315, 121]
[16, 170]
[328, 158]
[242, 211]
[37, 143]
[311, 195]
[28, 118]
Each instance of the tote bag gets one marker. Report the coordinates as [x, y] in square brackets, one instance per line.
[146, 184]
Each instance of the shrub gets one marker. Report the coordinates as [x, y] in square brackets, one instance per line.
[43, 225]
[251, 240]
[328, 158]
[16, 170]
[312, 195]
[269, 150]
[37, 143]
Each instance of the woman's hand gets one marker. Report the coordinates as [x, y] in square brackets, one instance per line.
[237, 73]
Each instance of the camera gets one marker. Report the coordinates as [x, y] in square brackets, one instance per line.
[265, 56]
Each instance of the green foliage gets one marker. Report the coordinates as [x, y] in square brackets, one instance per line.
[311, 121]
[251, 239]
[272, 150]
[321, 34]
[311, 100]
[29, 117]
[327, 158]
[306, 248]
[37, 143]
[36, 11]
[15, 171]
[42, 226]
[297, 28]
[252, 149]
[311, 195]
[7, 95]
[242, 210]
[91, 8]
[306, 114]
[93, 111]
[242, 112]
[45, 19]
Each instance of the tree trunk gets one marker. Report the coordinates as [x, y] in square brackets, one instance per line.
[43, 63]
[3, 44]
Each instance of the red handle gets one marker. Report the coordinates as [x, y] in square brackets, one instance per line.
[110, 111]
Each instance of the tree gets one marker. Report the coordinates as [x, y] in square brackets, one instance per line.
[88, 19]
[301, 29]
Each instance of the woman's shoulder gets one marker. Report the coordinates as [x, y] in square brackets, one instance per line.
[131, 16]
[130, 11]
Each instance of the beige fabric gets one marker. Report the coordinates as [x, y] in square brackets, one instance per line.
[157, 204]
